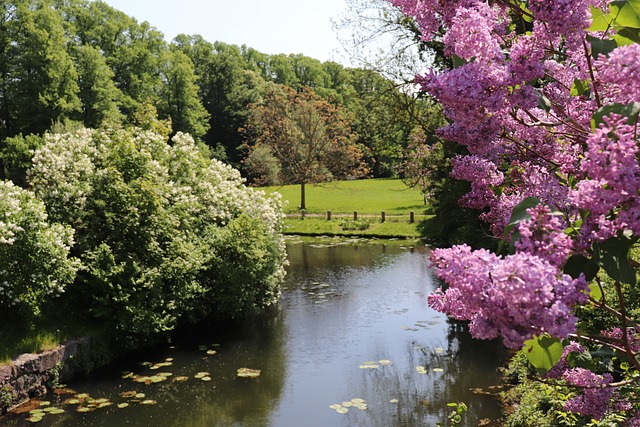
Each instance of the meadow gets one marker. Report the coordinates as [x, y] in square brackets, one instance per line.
[369, 198]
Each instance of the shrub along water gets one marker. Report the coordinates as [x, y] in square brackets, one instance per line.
[161, 234]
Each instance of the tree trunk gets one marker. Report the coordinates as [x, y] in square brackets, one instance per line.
[302, 197]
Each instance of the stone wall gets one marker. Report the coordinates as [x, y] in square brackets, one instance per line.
[30, 375]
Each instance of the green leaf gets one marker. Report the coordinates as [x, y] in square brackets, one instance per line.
[520, 214]
[577, 264]
[627, 35]
[599, 21]
[626, 13]
[626, 110]
[580, 87]
[601, 46]
[613, 256]
[595, 292]
[543, 352]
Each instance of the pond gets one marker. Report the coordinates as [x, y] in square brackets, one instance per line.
[352, 343]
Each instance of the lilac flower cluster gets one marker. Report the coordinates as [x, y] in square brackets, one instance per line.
[522, 103]
[516, 297]
[594, 400]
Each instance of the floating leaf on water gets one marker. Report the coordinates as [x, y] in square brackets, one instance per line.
[140, 396]
[60, 390]
[357, 400]
[205, 379]
[45, 403]
[104, 404]
[127, 375]
[148, 402]
[181, 378]
[36, 411]
[201, 374]
[248, 373]
[438, 370]
[164, 374]
[347, 404]
[342, 410]
[369, 365]
[101, 400]
[57, 411]
[157, 379]
[394, 401]
[35, 419]
[211, 352]
[361, 406]
[335, 406]
[202, 347]
[421, 369]
[169, 359]
[128, 394]
[72, 401]
[84, 409]
[48, 409]
[141, 379]
[122, 405]
[385, 362]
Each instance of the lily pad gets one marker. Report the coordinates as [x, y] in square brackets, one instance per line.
[122, 405]
[211, 352]
[248, 373]
[342, 410]
[385, 362]
[438, 370]
[57, 411]
[421, 369]
[394, 401]
[84, 409]
[148, 402]
[335, 406]
[128, 394]
[35, 419]
[181, 378]
[206, 379]
[45, 403]
[200, 375]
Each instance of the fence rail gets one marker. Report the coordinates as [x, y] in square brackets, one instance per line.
[382, 216]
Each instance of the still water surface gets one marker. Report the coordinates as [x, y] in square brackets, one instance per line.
[353, 323]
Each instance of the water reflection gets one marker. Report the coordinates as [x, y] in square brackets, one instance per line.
[347, 305]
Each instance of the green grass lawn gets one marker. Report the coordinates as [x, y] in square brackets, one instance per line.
[367, 197]
[370, 196]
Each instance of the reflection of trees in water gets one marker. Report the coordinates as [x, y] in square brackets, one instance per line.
[466, 364]
[255, 343]
[336, 255]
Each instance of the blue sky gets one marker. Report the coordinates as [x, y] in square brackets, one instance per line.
[274, 26]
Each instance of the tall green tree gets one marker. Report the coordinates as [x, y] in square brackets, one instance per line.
[38, 80]
[179, 96]
[310, 137]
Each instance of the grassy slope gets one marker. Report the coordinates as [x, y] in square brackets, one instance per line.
[368, 197]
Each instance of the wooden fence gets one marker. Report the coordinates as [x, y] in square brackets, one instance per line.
[383, 216]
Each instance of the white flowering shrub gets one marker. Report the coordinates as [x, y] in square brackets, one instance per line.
[162, 231]
[35, 266]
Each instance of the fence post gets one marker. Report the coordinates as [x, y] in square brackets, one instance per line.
[411, 218]
[355, 215]
[328, 215]
[383, 216]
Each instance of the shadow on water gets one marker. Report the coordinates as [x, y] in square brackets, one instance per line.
[353, 328]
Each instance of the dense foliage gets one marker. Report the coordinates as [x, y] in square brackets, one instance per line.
[35, 264]
[83, 61]
[162, 233]
[545, 98]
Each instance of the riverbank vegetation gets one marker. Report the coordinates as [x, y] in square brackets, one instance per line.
[138, 236]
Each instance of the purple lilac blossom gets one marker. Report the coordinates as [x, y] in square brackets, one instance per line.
[516, 297]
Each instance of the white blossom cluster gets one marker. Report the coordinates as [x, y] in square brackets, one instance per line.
[34, 255]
